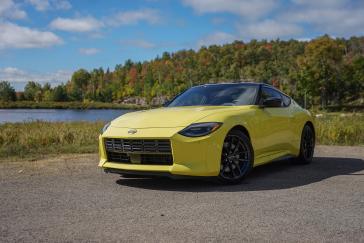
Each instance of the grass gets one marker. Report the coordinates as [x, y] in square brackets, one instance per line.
[340, 129]
[36, 139]
[31, 140]
[66, 105]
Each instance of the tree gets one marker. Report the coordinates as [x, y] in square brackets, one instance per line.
[7, 92]
[33, 91]
[320, 66]
[324, 69]
[79, 82]
[59, 93]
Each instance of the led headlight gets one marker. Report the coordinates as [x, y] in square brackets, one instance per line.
[105, 127]
[200, 129]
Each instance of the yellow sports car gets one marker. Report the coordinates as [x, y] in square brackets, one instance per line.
[212, 130]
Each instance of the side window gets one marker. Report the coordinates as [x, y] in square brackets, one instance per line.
[270, 93]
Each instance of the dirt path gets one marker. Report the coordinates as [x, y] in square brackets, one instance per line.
[70, 199]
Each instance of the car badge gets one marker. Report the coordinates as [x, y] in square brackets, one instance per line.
[132, 131]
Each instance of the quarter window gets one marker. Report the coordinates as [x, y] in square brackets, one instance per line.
[271, 93]
[286, 100]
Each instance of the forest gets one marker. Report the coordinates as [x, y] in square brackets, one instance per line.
[324, 71]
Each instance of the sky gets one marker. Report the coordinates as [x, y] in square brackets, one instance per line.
[46, 40]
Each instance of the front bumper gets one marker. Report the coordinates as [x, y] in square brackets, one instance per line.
[191, 156]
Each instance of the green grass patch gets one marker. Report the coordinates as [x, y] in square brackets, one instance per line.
[36, 139]
[340, 129]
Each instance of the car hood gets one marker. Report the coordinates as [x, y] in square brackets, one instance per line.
[167, 117]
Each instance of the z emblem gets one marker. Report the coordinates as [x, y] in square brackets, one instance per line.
[132, 131]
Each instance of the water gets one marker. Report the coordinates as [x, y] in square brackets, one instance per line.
[20, 115]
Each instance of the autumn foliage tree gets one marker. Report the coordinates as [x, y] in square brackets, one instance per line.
[325, 71]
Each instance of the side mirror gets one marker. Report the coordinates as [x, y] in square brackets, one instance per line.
[272, 102]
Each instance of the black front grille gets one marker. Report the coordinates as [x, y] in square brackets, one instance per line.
[144, 159]
[156, 159]
[138, 145]
[118, 157]
[139, 151]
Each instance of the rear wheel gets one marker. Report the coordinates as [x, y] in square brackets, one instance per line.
[307, 148]
[236, 157]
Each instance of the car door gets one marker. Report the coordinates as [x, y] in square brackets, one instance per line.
[274, 124]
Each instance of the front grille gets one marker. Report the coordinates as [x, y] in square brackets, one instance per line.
[118, 157]
[156, 159]
[144, 159]
[139, 151]
[138, 145]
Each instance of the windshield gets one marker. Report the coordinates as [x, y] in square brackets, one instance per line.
[217, 95]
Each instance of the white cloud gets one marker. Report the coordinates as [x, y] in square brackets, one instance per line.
[16, 75]
[62, 4]
[15, 36]
[43, 5]
[139, 43]
[91, 24]
[11, 10]
[40, 5]
[150, 16]
[89, 51]
[336, 17]
[269, 29]
[83, 24]
[244, 8]
[322, 3]
[217, 38]
[304, 39]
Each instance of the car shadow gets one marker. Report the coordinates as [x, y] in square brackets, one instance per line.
[273, 176]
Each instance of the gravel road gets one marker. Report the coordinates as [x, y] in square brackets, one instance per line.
[69, 199]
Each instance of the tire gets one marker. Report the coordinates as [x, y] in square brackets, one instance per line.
[307, 147]
[236, 158]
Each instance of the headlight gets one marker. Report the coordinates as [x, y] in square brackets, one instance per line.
[105, 127]
[200, 129]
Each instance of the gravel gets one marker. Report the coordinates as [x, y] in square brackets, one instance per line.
[70, 199]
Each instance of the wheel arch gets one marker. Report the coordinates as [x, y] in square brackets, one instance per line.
[242, 129]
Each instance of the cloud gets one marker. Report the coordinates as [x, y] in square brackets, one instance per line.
[269, 29]
[43, 5]
[217, 38]
[40, 5]
[295, 19]
[140, 43]
[11, 10]
[322, 3]
[15, 36]
[62, 4]
[16, 75]
[150, 16]
[335, 17]
[83, 24]
[244, 8]
[89, 51]
[218, 20]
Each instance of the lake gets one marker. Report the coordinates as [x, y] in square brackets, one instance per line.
[19, 115]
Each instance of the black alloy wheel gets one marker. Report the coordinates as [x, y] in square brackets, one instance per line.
[236, 157]
[307, 145]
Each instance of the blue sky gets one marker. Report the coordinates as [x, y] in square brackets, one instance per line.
[46, 40]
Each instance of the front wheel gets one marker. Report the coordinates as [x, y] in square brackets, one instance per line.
[236, 158]
[307, 147]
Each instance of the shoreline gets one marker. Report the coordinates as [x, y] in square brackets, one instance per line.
[69, 105]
